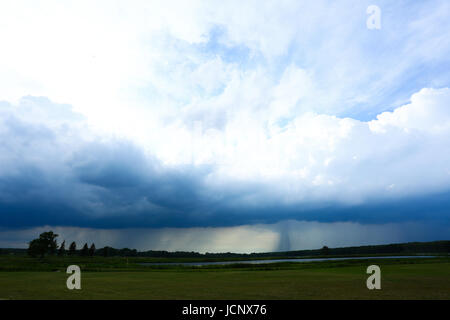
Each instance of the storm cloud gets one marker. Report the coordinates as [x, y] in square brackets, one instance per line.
[56, 171]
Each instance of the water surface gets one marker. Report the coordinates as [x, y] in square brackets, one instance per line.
[274, 261]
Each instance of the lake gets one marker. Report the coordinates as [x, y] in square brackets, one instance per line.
[273, 261]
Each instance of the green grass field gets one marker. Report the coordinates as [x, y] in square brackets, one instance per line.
[413, 279]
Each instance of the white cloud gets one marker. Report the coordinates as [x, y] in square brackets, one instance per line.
[118, 62]
[429, 111]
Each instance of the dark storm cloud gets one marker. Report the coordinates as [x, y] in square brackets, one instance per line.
[51, 174]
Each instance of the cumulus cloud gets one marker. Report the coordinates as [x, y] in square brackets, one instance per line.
[322, 157]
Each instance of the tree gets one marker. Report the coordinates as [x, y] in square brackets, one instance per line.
[35, 248]
[62, 249]
[92, 250]
[72, 248]
[325, 250]
[45, 244]
[85, 251]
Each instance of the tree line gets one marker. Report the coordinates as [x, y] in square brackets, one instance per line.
[46, 244]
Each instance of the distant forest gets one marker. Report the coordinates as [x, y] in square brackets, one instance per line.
[399, 248]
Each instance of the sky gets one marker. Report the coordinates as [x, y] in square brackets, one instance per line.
[218, 126]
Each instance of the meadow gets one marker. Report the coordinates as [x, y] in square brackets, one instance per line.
[125, 278]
